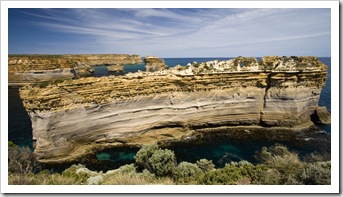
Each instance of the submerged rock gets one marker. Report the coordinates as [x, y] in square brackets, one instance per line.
[150, 107]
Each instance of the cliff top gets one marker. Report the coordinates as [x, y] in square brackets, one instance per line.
[241, 64]
[20, 63]
[214, 74]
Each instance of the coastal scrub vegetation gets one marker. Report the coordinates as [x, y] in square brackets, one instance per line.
[154, 165]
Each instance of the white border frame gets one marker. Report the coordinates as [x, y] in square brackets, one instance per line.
[335, 152]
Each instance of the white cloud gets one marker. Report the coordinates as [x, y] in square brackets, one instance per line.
[167, 32]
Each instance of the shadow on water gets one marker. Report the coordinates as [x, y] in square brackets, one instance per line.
[222, 147]
[225, 147]
[19, 123]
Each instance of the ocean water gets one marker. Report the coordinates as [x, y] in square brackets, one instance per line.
[218, 148]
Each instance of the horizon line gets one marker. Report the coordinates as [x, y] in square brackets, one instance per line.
[43, 54]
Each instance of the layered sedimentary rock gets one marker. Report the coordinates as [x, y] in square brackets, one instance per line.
[115, 68]
[38, 68]
[71, 118]
[109, 59]
[153, 63]
[322, 115]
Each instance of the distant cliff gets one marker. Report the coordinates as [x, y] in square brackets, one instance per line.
[38, 68]
[74, 117]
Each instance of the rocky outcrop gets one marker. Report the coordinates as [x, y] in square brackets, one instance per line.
[115, 68]
[322, 115]
[153, 63]
[110, 59]
[74, 117]
[38, 68]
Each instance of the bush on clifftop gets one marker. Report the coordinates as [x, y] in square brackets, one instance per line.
[157, 161]
[21, 160]
[153, 165]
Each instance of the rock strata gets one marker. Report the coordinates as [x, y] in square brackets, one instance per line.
[74, 117]
[153, 63]
[115, 68]
[38, 68]
[323, 115]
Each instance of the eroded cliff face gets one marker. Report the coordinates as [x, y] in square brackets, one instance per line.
[153, 63]
[74, 117]
[38, 68]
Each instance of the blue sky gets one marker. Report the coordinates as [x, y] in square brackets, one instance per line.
[171, 32]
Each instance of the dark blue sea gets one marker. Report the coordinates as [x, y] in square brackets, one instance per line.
[218, 148]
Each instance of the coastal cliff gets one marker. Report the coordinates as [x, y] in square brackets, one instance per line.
[72, 118]
[38, 68]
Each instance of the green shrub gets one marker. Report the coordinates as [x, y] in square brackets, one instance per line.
[288, 164]
[316, 157]
[278, 167]
[205, 165]
[22, 179]
[231, 174]
[187, 173]
[162, 162]
[55, 179]
[74, 172]
[157, 161]
[127, 176]
[143, 155]
[266, 154]
[144, 178]
[317, 174]
[21, 160]
[10, 144]
[44, 178]
[124, 179]
[266, 176]
[129, 168]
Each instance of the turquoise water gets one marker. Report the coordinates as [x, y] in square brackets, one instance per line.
[218, 148]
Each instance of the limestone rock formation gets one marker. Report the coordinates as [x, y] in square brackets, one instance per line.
[109, 59]
[115, 68]
[38, 68]
[74, 117]
[323, 115]
[153, 63]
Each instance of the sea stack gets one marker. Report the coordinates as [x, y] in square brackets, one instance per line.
[75, 117]
[153, 63]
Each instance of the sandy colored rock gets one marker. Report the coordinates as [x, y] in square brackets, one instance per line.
[115, 68]
[323, 115]
[71, 118]
[153, 63]
[38, 68]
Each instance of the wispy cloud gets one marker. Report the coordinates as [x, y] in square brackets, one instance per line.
[185, 32]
